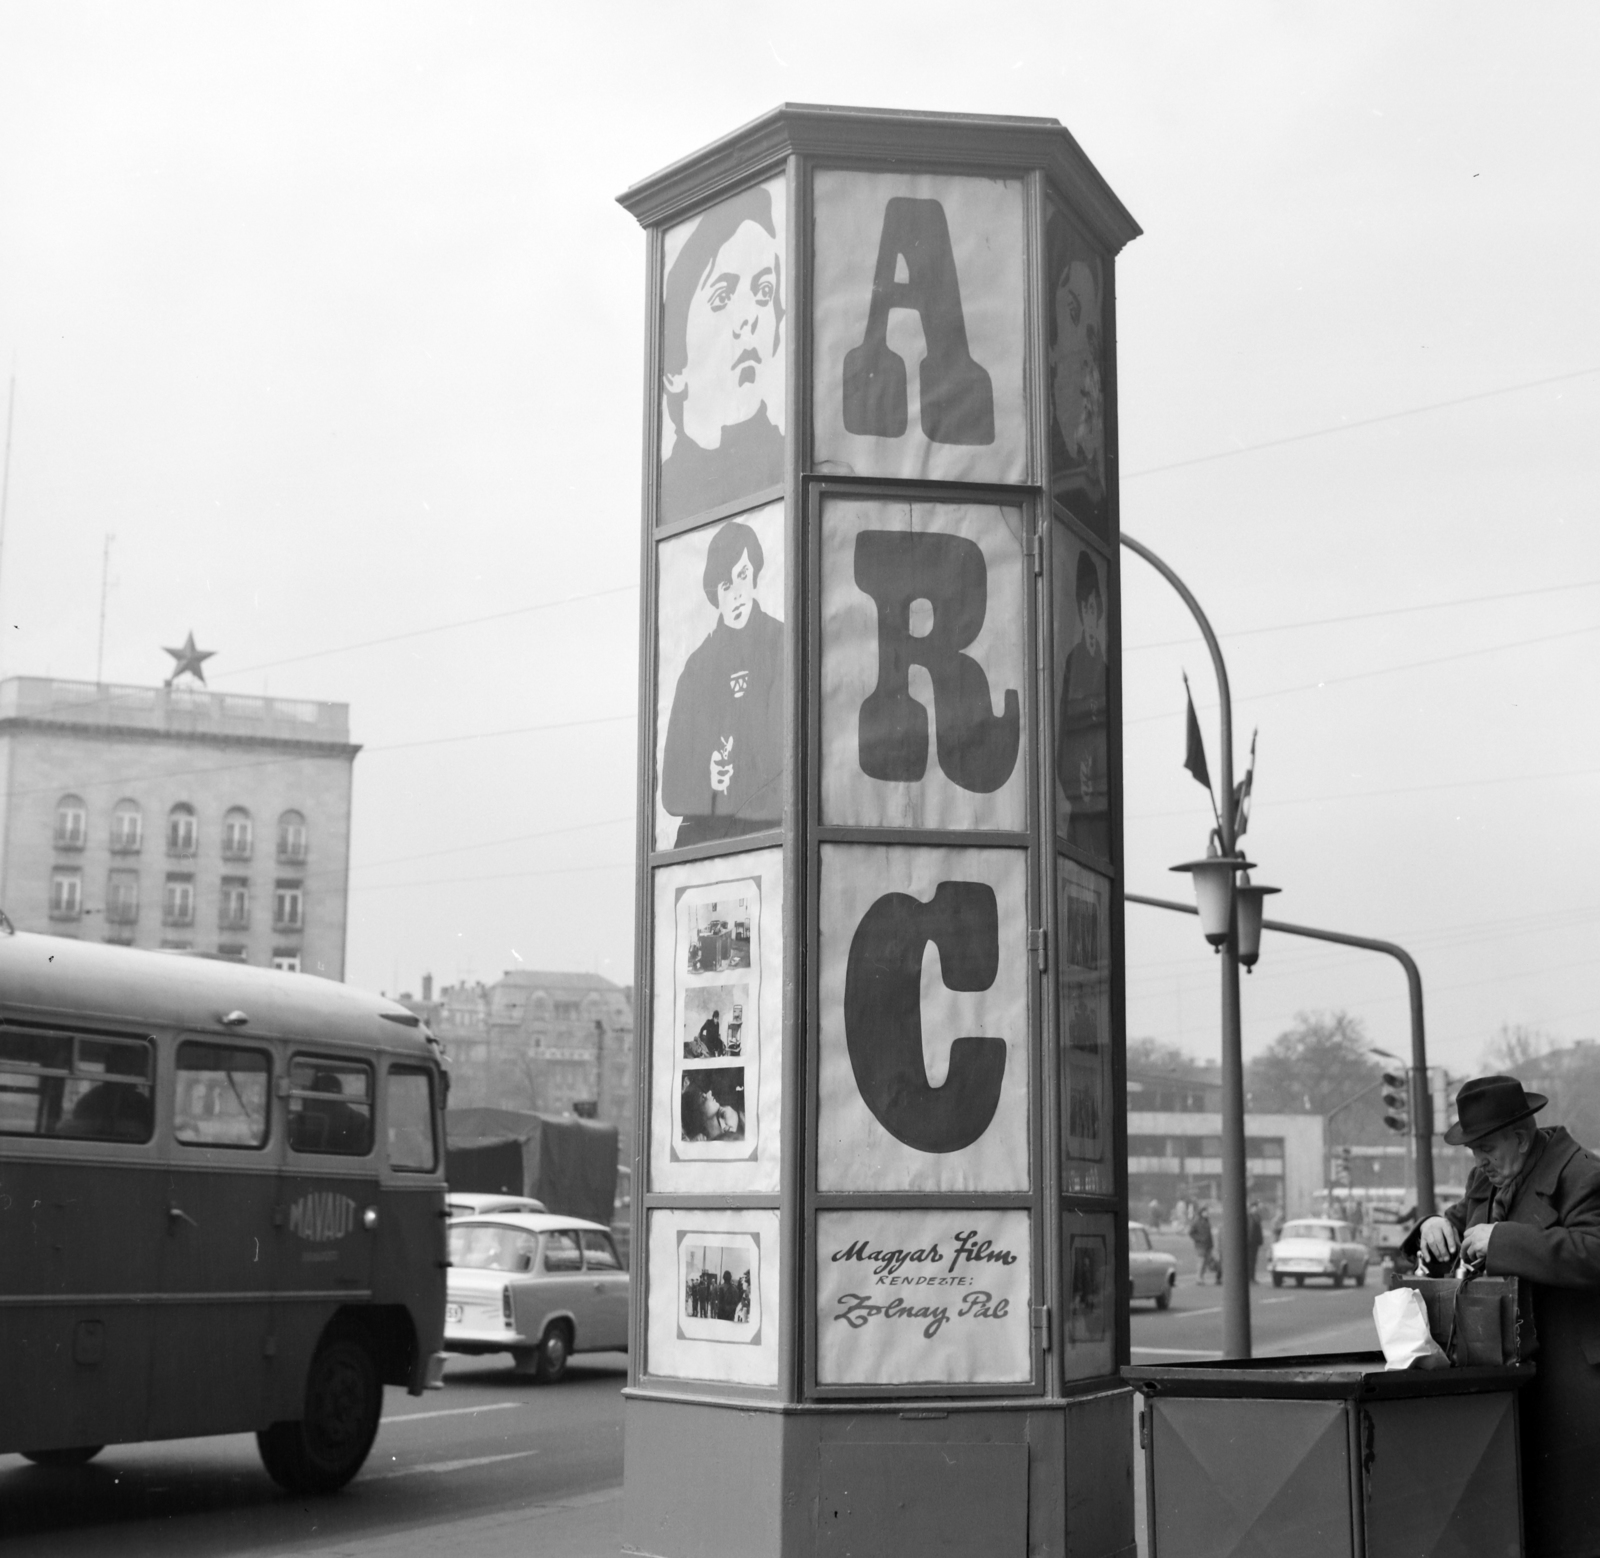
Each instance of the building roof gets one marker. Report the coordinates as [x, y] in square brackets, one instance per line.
[534, 979]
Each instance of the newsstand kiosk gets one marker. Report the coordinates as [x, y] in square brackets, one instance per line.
[881, 1226]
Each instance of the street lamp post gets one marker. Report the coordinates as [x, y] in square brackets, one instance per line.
[1214, 876]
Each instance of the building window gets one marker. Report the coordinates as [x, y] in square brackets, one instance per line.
[72, 822]
[122, 898]
[183, 830]
[235, 911]
[566, 1011]
[238, 836]
[231, 949]
[292, 841]
[286, 960]
[66, 895]
[127, 828]
[288, 906]
[177, 906]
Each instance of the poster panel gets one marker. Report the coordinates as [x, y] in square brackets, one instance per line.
[712, 1296]
[924, 1297]
[717, 1025]
[923, 1054]
[920, 319]
[1084, 918]
[924, 663]
[1080, 587]
[723, 340]
[1089, 1281]
[720, 680]
[1075, 298]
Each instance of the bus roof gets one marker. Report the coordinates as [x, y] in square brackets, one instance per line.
[55, 978]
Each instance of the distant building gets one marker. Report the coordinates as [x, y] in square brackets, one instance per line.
[1175, 1146]
[177, 817]
[551, 1043]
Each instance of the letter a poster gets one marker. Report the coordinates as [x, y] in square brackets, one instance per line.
[923, 1054]
[924, 669]
[920, 316]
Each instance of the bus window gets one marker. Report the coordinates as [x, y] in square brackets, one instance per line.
[410, 1100]
[330, 1106]
[65, 1084]
[220, 1095]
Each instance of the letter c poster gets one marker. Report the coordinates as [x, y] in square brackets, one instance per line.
[920, 317]
[923, 1054]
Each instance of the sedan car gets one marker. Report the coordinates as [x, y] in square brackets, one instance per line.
[1151, 1272]
[537, 1286]
[473, 1203]
[1318, 1247]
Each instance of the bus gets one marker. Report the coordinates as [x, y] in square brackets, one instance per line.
[221, 1206]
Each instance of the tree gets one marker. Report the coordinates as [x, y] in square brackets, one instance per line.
[1158, 1056]
[1517, 1046]
[1313, 1068]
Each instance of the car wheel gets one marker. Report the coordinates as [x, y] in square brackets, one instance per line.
[1338, 1278]
[1277, 1279]
[344, 1399]
[1164, 1297]
[1299, 1282]
[555, 1347]
[79, 1455]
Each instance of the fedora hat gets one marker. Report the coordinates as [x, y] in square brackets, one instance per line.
[1488, 1104]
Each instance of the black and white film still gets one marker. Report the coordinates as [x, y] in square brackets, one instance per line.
[719, 1286]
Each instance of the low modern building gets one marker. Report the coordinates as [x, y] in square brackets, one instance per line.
[1175, 1148]
[176, 817]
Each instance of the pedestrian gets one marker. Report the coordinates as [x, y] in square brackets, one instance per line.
[1204, 1244]
[1532, 1211]
[1253, 1238]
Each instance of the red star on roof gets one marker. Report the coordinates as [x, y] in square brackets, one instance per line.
[189, 660]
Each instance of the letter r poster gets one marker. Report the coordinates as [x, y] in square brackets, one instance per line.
[920, 319]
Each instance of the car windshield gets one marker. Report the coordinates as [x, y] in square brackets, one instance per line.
[493, 1248]
[1308, 1231]
[1138, 1238]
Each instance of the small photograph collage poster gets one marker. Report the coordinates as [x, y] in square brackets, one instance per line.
[716, 1025]
[1076, 299]
[1090, 1284]
[918, 359]
[723, 353]
[712, 1296]
[1084, 920]
[924, 665]
[720, 723]
[924, 1297]
[1082, 695]
[923, 1055]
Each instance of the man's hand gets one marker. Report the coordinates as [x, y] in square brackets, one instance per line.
[1475, 1244]
[721, 769]
[1439, 1241]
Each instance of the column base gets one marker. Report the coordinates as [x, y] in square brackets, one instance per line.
[705, 1480]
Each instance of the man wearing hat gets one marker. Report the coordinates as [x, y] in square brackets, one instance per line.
[1532, 1210]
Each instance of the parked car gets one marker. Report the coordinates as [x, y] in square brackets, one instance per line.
[473, 1203]
[537, 1286]
[1151, 1272]
[1317, 1247]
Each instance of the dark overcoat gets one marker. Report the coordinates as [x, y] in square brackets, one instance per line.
[1551, 1239]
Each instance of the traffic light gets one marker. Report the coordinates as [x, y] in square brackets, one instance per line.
[1341, 1167]
[1397, 1101]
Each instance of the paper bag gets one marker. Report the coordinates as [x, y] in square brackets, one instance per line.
[1402, 1320]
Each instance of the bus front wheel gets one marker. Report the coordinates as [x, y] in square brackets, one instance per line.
[323, 1450]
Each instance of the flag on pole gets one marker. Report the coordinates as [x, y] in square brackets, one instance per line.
[1241, 792]
[1194, 756]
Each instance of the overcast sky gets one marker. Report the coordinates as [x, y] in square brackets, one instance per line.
[329, 315]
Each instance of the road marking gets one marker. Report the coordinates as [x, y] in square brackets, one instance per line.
[444, 1466]
[1178, 1352]
[1185, 1314]
[1277, 1301]
[416, 1417]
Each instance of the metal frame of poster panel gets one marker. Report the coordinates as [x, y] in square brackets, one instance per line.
[1065, 523]
[1026, 842]
[779, 1300]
